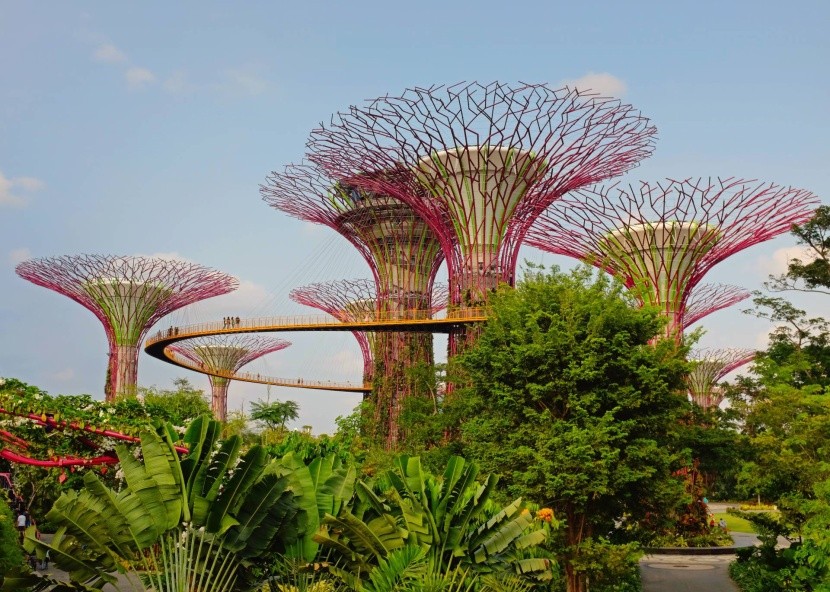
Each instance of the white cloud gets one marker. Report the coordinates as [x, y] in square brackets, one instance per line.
[178, 84]
[138, 78]
[8, 195]
[244, 81]
[602, 83]
[19, 255]
[109, 54]
[65, 375]
[778, 262]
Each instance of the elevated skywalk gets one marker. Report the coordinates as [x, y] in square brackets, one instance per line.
[157, 345]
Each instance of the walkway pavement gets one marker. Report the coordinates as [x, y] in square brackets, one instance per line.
[687, 573]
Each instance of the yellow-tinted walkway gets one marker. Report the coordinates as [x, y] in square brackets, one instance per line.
[409, 321]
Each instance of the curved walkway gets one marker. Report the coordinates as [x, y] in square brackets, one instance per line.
[414, 320]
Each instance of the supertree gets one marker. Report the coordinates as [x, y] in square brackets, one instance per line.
[479, 162]
[709, 367]
[662, 238]
[351, 300]
[127, 294]
[226, 354]
[705, 299]
[400, 249]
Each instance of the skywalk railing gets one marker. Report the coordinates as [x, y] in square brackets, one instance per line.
[262, 378]
[232, 325]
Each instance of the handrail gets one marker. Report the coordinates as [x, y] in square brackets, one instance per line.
[384, 318]
[158, 345]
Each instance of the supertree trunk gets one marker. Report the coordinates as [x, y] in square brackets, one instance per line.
[219, 397]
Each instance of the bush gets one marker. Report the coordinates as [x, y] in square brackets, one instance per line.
[11, 554]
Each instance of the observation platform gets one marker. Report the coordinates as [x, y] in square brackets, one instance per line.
[408, 321]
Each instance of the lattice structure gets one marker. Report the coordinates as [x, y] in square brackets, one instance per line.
[345, 300]
[662, 238]
[226, 353]
[401, 250]
[710, 366]
[127, 294]
[479, 162]
[705, 299]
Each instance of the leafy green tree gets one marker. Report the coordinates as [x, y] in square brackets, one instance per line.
[572, 405]
[275, 415]
[812, 275]
[179, 405]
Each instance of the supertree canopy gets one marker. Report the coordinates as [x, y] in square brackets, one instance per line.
[709, 367]
[479, 162]
[662, 238]
[401, 250]
[226, 354]
[127, 294]
[705, 299]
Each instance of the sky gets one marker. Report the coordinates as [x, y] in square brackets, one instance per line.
[146, 129]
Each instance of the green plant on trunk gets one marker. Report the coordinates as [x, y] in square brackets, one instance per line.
[182, 525]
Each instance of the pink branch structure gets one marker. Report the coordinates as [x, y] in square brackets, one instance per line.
[345, 300]
[227, 353]
[47, 420]
[127, 294]
[705, 299]
[710, 366]
[662, 238]
[401, 250]
[478, 163]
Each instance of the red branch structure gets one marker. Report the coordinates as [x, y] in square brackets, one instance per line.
[710, 366]
[47, 421]
[226, 353]
[705, 299]
[662, 238]
[478, 163]
[127, 294]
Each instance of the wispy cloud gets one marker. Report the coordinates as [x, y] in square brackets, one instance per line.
[601, 83]
[9, 195]
[245, 81]
[19, 255]
[139, 78]
[109, 54]
[178, 83]
[65, 375]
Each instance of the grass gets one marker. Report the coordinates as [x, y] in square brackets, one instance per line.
[735, 524]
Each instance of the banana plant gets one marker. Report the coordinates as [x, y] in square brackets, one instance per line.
[182, 525]
[450, 517]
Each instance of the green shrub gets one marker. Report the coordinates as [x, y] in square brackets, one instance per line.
[11, 554]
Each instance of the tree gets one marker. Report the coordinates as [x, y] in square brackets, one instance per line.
[179, 405]
[275, 415]
[571, 405]
[813, 275]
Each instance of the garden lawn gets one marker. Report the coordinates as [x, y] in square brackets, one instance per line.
[735, 523]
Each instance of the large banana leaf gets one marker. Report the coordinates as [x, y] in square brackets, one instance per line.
[207, 478]
[220, 517]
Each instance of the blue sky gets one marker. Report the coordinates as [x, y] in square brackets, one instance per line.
[146, 129]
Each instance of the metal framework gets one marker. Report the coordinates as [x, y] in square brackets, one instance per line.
[226, 353]
[710, 366]
[401, 250]
[705, 299]
[479, 162]
[127, 294]
[662, 238]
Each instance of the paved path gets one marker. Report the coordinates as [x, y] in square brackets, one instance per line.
[686, 573]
